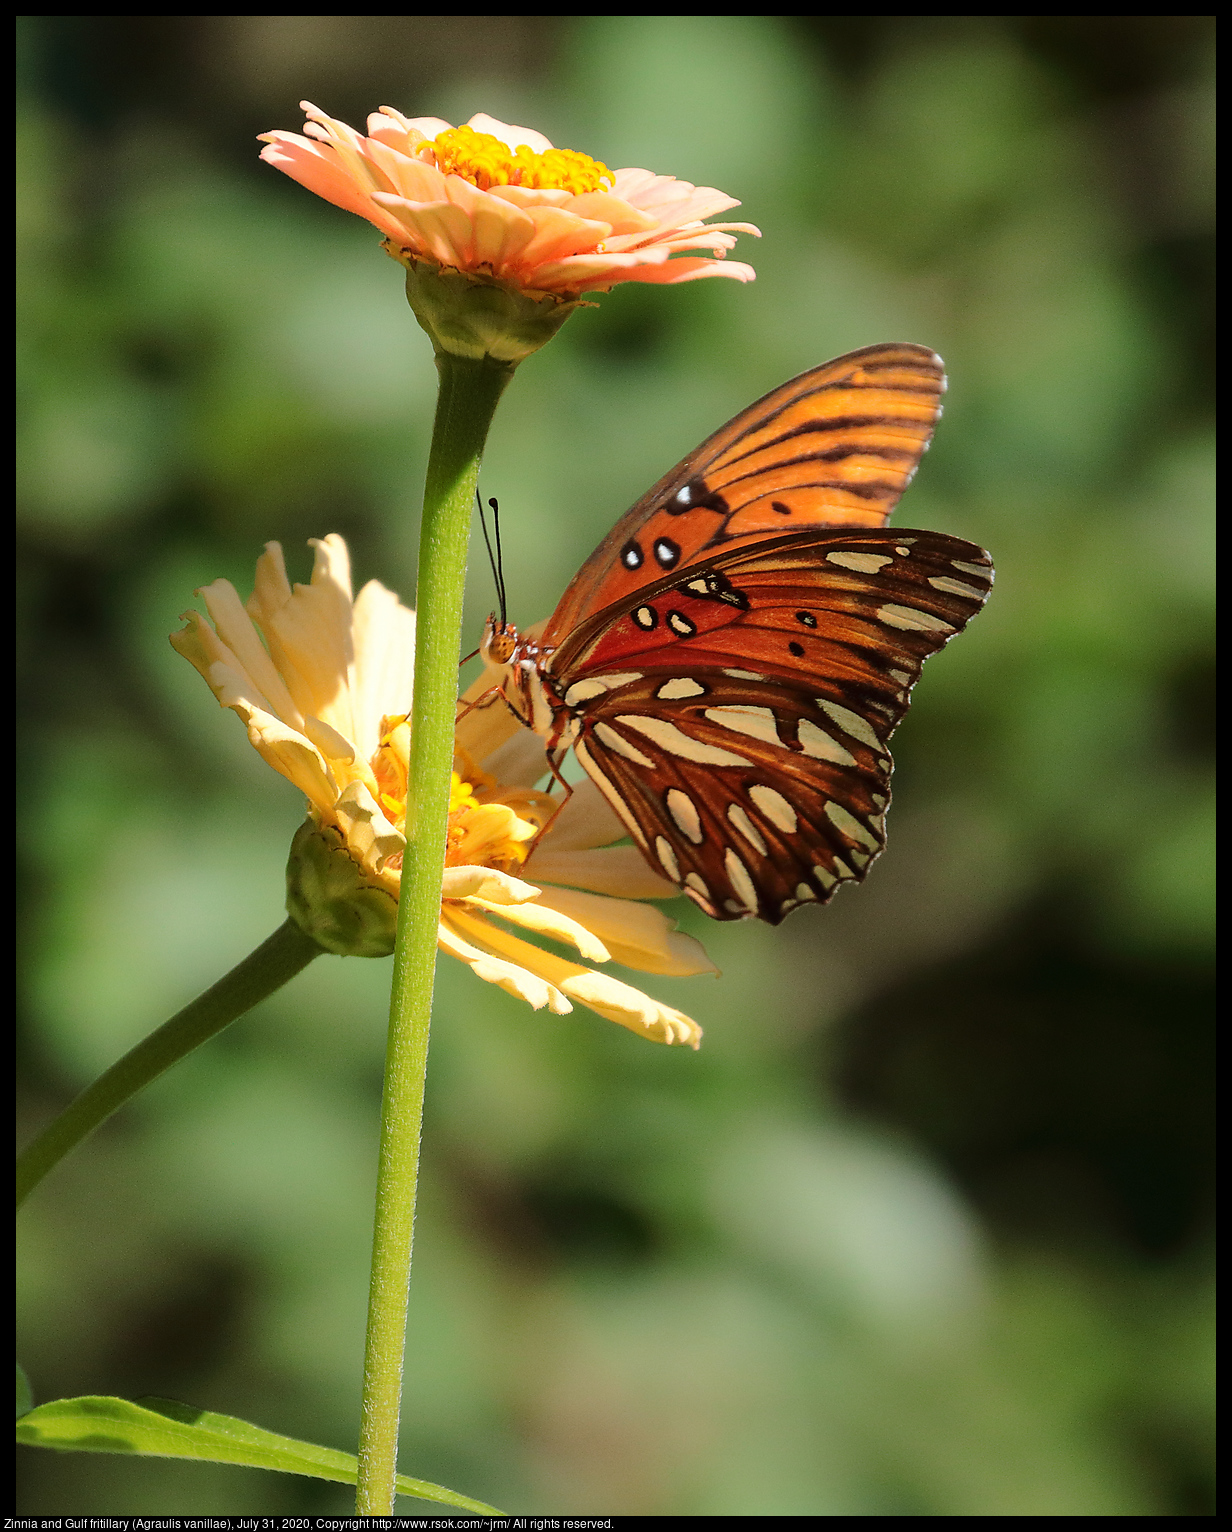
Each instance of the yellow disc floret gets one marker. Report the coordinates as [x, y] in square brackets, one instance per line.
[485, 161]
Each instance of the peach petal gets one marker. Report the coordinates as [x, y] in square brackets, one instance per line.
[622, 216]
[558, 233]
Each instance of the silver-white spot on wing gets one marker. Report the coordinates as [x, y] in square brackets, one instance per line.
[775, 807]
[803, 891]
[756, 722]
[678, 687]
[850, 723]
[910, 619]
[956, 587]
[684, 811]
[878, 799]
[901, 676]
[745, 675]
[862, 563]
[676, 742]
[848, 825]
[823, 879]
[746, 827]
[621, 745]
[841, 869]
[817, 743]
[667, 858]
[698, 883]
[902, 552]
[741, 880]
[978, 570]
[597, 686]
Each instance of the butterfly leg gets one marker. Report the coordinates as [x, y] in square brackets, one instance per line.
[554, 757]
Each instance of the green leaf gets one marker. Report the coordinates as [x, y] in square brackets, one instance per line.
[168, 1429]
[25, 1396]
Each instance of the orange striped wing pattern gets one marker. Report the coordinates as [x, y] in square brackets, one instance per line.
[731, 662]
[835, 447]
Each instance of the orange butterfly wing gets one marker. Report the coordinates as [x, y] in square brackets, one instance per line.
[835, 447]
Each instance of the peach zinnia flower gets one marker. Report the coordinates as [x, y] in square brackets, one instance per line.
[499, 201]
[326, 697]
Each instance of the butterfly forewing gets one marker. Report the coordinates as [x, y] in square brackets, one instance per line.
[743, 735]
[834, 447]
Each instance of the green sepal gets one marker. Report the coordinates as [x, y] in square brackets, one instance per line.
[330, 898]
[25, 1394]
[167, 1429]
[477, 317]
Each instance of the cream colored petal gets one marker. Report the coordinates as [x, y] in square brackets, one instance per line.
[235, 628]
[284, 748]
[586, 820]
[383, 670]
[609, 997]
[545, 921]
[430, 127]
[637, 935]
[369, 836]
[333, 746]
[486, 726]
[515, 980]
[619, 870]
[224, 675]
[628, 1007]
[310, 638]
[289, 753]
[509, 134]
[519, 762]
[486, 883]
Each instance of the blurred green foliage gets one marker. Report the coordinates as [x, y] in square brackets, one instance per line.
[923, 1229]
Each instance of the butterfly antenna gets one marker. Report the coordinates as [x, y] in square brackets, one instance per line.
[493, 558]
[500, 558]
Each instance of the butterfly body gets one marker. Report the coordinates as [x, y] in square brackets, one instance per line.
[729, 665]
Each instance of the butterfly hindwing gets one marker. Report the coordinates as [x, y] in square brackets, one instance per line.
[834, 447]
[746, 745]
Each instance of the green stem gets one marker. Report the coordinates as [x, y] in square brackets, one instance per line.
[276, 960]
[469, 392]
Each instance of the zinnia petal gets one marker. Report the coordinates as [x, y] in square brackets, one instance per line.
[323, 684]
[460, 198]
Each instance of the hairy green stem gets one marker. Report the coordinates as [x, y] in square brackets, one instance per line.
[276, 960]
[469, 392]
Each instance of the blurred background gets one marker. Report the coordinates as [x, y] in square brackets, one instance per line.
[924, 1227]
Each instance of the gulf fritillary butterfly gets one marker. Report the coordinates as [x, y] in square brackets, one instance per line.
[730, 662]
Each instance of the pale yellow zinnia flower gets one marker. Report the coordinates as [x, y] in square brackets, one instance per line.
[323, 682]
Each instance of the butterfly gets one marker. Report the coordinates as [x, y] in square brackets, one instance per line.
[729, 664]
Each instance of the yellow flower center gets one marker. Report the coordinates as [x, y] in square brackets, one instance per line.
[484, 161]
[489, 825]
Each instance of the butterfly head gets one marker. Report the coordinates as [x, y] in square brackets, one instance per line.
[499, 641]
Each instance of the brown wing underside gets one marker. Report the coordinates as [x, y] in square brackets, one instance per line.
[750, 758]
